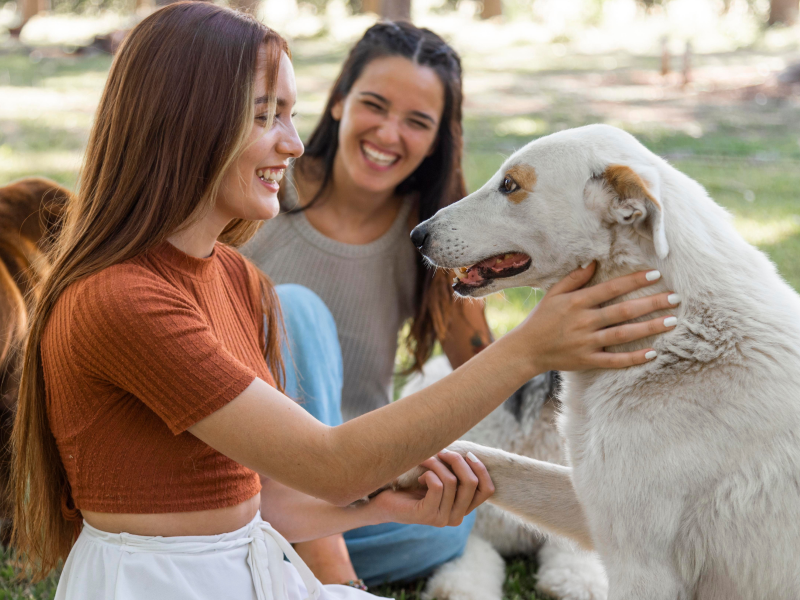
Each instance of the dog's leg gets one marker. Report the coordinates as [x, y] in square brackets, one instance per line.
[570, 574]
[534, 490]
[655, 580]
[478, 574]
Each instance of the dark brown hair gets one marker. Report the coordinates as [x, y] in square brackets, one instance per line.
[436, 182]
[175, 113]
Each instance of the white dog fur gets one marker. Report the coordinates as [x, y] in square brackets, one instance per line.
[685, 471]
[565, 572]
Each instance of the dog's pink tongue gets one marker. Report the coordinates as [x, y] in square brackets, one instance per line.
[472, 276]
[503, 261]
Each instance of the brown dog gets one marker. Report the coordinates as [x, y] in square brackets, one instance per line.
[30, 217]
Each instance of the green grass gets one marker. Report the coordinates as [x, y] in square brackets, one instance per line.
[746, 155]
[12, 588]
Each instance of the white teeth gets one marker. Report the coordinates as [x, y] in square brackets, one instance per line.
[270, 175]
[377, 156]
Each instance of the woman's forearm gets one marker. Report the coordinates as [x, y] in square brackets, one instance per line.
[381, 444]
[300, 518]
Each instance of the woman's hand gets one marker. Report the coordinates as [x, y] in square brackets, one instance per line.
[569, 328]
[451, 488]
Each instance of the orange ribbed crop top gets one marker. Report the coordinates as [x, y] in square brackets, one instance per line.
[135, 355]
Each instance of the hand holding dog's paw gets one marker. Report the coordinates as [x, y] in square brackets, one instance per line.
[439, 492]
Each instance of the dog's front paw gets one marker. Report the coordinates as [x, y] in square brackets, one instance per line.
[409, 480]
[569, 574]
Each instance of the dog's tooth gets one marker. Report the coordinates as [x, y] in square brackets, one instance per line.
[498, 261]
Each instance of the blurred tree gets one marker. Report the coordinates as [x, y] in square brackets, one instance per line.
[396, 10]
[491, 8]
[783, 11]
[365, 6]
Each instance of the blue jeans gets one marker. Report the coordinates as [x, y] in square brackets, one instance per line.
[380, 553]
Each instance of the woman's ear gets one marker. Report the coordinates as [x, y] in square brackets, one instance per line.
[337, 109]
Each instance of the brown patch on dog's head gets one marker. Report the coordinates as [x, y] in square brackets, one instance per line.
[627, 184]
[523, 178]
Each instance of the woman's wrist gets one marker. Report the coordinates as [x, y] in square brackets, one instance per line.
[373, 513]
[522, 358]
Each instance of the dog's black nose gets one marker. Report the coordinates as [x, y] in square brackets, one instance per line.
[419, 236]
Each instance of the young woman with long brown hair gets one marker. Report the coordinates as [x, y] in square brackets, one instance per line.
[148, 403]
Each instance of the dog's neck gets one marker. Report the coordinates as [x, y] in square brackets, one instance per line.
[618, 264]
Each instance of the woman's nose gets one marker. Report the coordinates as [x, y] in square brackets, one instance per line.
[290, 143]
[389, 132]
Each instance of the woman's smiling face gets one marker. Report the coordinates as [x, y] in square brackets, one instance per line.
[250, 186]
[387, 123]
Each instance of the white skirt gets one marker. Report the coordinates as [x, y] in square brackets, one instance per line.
[246, 564]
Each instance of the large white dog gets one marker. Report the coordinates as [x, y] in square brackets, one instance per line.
[685, 471]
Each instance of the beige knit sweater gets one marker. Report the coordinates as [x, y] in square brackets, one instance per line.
[368, 288]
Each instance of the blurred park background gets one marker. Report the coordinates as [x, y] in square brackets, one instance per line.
[711, 85]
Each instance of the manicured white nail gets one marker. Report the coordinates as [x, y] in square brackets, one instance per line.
[651, 355]
[674, 299]
[472, 457]
[652, 275]
[670, 321]
[586, 265]
[444, 451]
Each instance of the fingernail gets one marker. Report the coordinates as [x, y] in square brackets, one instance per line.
[652, 275]
[651, 355]
[674, 299]
[472, 457]
[586, 265]
[670, 321]
[444, 451]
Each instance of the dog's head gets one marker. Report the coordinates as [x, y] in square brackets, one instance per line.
[559, 202]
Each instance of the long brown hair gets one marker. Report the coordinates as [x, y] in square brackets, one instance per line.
[175, 113]
[437, 182]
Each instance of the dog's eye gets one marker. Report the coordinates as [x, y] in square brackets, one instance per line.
[508, 186]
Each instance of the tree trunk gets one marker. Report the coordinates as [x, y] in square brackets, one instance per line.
[783, 11]
[491, 8]
[31, 8]
[396, 10]
[371, 6]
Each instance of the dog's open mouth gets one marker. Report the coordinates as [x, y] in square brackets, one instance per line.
[495, 267]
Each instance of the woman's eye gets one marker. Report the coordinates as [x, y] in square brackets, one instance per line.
[372, 105]
[419, 125]
[509, 185]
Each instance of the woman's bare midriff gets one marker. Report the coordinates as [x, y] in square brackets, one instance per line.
[202, 522]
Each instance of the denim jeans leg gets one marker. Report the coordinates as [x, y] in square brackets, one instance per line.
[311, 353]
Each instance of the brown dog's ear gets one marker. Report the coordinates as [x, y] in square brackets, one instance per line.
[636, 203]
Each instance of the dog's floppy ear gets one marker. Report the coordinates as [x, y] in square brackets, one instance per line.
[637, 202]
